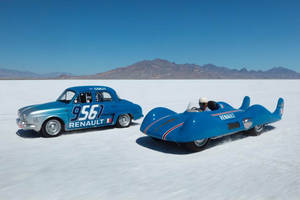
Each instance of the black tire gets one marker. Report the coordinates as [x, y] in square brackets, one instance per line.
[123, 121]
[256, 130]
[196, 146]
[52, 128]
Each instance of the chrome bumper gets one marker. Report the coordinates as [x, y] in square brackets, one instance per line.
[23, 125]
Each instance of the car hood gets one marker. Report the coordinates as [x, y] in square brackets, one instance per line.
[43, 107]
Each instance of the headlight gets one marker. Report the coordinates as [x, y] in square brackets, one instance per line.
[247, 123]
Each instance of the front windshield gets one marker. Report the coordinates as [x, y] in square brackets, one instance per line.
[196, 107]
[66, 96]
[192, 107]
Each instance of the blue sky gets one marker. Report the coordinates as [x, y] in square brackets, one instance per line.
[85, 37]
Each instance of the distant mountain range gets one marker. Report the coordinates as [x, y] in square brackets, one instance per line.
[17, 74]
[163, 69]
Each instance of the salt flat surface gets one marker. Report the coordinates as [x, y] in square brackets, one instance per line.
[125, 164]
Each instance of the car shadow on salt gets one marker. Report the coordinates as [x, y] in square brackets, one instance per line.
[174, 148]
[97, 129]
[30, 134]
[161, 146]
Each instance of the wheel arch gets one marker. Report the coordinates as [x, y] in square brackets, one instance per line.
[120, 114]
[54, 117]
[130, 115]
[123, 113]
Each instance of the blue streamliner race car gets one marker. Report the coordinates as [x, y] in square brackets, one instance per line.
[78, 108]
[194, 129]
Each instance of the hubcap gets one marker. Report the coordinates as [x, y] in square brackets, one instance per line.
[53, 127]
[200, 143]
[124, 120]
[259, 128]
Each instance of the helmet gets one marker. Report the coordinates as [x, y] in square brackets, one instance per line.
[203, 100]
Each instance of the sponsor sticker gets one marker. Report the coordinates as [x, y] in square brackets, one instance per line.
[227, 116]
[108, 120]
[88, 116]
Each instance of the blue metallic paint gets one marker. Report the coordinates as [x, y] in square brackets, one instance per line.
[165, 124]
[33, 117]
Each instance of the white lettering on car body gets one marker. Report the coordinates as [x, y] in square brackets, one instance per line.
[99, 88]
[227, 116]
[89, 123]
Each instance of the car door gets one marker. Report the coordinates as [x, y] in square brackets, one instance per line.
[85, 112]
[107, 103]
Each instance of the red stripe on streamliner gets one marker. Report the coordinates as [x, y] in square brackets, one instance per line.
[171, 129]
[146, 129]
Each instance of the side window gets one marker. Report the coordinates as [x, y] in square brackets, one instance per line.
[88, 97]
[84, 97]
[103, 96]
[106, 96]
[99, 97]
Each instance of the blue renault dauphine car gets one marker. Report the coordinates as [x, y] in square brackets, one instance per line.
[79, 108]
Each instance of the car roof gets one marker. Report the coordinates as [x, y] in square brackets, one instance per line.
[90, 87]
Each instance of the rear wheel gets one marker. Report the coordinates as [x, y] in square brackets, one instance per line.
[52, 128]
[256, 130]
[196, 145]
[123, 121]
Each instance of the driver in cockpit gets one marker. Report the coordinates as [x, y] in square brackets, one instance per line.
[203, 102]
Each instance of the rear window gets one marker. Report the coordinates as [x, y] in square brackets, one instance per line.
[103, 96]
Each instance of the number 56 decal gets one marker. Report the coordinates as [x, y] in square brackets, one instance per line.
[87, 112]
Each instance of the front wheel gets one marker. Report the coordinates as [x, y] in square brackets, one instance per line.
[123, 121]
[196, 145]
[52, 128]
[256, 130]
